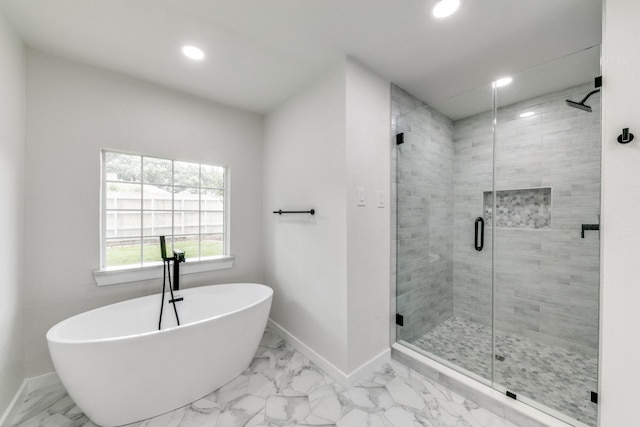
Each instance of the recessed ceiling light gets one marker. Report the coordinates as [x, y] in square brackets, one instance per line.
[445, 8]
[193, 52]
[502, 82]
[528, 114]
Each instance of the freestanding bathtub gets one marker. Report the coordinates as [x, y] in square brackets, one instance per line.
[119, 368]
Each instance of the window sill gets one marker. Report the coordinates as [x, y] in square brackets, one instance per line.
[125, 275]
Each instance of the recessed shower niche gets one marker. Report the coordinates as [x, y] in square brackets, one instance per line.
[520, 312]
[524, 208]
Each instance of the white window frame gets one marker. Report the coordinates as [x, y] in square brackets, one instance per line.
[153, 270]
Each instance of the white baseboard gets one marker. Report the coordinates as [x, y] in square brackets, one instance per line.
[365, 370]
[27, 386]
[344, 379]
[43, 381]
[11, 411]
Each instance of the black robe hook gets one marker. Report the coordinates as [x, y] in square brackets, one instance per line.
[625, 137]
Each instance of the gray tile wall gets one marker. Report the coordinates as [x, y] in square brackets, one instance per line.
[473, 176]
[425, 215]
[547, 280]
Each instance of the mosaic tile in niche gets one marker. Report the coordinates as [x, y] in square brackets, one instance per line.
[526, 208]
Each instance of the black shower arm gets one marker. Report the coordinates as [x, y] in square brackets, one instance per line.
[588, 95]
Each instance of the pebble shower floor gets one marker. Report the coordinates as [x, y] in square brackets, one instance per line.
[555, 377]
[283, 388]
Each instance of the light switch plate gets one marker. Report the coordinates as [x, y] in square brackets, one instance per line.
[361, 196]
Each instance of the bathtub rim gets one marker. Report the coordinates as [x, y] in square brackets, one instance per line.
[53, 337]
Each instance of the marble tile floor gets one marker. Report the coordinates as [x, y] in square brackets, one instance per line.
[282, 388]
[557, 378]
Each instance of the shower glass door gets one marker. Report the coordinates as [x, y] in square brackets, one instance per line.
[443, 173]
[497, 249]
[546, 283]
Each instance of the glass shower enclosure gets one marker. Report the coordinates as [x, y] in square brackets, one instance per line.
[497, 199]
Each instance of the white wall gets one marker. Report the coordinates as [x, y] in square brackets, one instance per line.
[330, 271]
[73, 111]
[12, 124]
[620, 293]
[305, 256]
[368, 227]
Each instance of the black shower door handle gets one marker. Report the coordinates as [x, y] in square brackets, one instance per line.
[479, 228]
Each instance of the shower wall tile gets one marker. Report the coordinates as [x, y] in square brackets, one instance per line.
[424, 195]
[546, 280]
[473, 169]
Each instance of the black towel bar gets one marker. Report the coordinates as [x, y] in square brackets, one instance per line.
[280, 212]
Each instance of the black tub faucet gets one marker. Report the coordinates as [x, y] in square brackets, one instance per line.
[177, 258]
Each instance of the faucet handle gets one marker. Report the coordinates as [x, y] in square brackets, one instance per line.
[179, 255]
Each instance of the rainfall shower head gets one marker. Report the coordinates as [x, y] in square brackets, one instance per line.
[581, 105]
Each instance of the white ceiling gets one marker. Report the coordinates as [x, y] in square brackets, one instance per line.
[577, 68]
[260, 52]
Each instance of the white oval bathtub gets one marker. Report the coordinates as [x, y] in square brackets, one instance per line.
[119, 368]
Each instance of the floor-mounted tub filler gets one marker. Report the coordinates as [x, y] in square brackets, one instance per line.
[119, 368]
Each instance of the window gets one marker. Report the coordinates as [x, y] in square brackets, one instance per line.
[146, 197]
